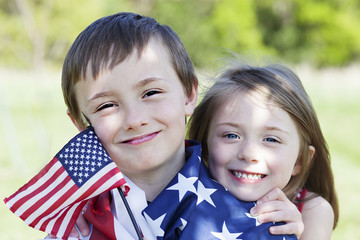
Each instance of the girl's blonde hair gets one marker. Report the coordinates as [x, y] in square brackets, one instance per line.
[284, 89]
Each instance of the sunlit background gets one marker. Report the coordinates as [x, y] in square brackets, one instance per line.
[319, 39]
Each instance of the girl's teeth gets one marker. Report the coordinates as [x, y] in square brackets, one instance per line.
[247, 176]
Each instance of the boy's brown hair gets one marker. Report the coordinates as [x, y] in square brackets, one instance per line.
[284, 89]
[109, 41]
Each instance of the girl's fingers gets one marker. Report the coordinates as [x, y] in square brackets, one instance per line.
[273, 206]
[289, 228]
[275, 194]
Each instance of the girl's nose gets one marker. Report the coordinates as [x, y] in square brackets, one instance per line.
[248, 151]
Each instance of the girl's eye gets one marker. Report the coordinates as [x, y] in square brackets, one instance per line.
[104, 106]
[232, 136]
[271, 139]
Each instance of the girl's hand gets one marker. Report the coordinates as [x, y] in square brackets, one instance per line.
[276, 207]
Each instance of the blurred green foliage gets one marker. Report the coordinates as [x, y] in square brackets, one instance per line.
[35, 33]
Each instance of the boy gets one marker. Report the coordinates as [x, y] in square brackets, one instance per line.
[132, 80]
[132, 94]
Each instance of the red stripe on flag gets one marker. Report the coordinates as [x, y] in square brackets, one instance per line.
[34, 193]
[99, 182]
[62, 220]
[56, 204]
[33, 180]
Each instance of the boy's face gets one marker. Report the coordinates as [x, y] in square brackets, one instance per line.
[138, 111]
[253, 146]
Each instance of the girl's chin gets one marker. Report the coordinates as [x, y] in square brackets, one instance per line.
[245, 195]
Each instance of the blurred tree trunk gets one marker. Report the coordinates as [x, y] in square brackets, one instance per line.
[36, 32]
[145, 7]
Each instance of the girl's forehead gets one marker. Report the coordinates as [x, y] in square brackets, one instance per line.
[251, 105]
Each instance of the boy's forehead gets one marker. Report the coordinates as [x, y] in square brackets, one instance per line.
[154, 52]
[153, 62]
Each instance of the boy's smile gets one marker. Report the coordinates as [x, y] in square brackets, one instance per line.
[138, 111]
[253, 146]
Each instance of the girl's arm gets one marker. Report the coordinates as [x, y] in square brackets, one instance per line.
[276, 207]
[318, 218]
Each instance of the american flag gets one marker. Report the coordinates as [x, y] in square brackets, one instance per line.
[53, 199]
[195, 207]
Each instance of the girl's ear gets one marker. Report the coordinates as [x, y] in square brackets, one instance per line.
[80, 127]
[297, 167]
[191, 101]
[311, 153]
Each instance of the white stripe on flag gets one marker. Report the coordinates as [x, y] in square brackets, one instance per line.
[75, 196]
[32, 201]
[65, 220]
[47, 205]
[35, 186]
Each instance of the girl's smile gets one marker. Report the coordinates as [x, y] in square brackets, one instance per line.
[247, 177]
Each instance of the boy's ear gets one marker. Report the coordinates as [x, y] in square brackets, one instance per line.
[297, 167]
[80, 127]
[191, 101]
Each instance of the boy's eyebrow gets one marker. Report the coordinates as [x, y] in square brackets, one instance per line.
[142, 83]
[101, 94]
[146, 81]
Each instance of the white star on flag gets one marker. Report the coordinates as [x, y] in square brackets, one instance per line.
[155, 224]
[225, 234]
[254, 217]
[204, 194]
[184, 222]
[184, 185]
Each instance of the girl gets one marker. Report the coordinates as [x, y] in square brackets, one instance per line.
[259, 131]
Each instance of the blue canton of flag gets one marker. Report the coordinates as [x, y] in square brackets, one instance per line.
[194, 206]
[83, 157]
[53, 199]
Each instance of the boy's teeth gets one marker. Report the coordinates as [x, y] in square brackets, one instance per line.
[247, 176]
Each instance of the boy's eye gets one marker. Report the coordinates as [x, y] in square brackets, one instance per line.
[104, 106]
[151, 92]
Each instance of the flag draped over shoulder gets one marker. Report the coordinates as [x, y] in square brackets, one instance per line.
[195, 207]
[53, 199]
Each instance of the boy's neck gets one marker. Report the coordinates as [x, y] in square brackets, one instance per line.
[153, 182]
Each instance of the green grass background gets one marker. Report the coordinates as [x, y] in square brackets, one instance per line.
[34, 126]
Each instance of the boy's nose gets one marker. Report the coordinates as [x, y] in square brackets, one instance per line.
[134, 117]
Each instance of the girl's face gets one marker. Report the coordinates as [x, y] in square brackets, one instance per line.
[253, 146]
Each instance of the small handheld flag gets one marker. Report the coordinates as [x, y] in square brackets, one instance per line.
[53, 199]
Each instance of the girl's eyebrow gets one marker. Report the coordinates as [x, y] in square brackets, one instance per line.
[273, 128]
[268, 128]
[232, 124]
